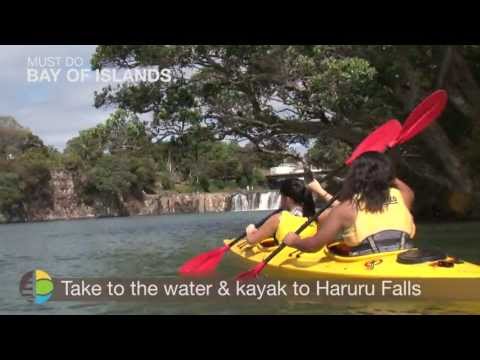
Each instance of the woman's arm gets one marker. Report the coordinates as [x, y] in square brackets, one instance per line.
[316, 188]
[407, 193]
[265, 231]
[339, 218]
[324, 216]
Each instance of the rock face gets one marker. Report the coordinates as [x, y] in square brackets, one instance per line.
[179, 203]
[67, 205]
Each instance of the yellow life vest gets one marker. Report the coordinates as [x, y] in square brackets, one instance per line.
[290, 223]
[395, 216]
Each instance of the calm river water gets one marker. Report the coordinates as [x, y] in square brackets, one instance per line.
[154, 247]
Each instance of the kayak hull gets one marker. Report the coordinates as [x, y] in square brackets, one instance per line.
[325, 264]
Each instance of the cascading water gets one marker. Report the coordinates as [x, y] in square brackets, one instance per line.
[264, 200]
[256, 201]
[240, 202]
[274, 201]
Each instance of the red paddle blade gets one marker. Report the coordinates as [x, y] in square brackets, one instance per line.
[204, 263]
[378, 140]
[252, 273]
[423, 115]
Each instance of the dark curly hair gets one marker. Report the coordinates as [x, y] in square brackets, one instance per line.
[296, 190]
[368, 182]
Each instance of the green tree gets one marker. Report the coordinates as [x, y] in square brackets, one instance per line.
[13, 142]
[109, 180]
[277, 96]
[328, 152]
[243, 182]
[118, 176]
[122, 132]
[144, 169]
[204, 183]
[166, 181]
[113, 160]
[10, 192]
[259, 177]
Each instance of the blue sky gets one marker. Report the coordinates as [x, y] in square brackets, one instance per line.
[55, 111]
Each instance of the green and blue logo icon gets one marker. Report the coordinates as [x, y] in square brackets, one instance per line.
[37, 286]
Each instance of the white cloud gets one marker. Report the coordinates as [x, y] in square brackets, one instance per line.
[54, 111]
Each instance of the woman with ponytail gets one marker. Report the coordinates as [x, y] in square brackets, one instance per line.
[297, 204]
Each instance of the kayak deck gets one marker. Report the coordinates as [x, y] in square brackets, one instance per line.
[325, 264]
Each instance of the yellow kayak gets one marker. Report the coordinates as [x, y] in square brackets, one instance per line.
[326, 264]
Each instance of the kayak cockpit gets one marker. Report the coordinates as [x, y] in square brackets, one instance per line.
[333, 252]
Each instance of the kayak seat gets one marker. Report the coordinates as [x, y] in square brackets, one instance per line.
[419, 256]
[383, 242]
[345, 251]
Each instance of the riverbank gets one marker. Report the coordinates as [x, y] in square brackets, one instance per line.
[65, 203]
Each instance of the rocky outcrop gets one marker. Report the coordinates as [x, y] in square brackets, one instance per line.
[66, 203]
[179, 203]
[9, 122]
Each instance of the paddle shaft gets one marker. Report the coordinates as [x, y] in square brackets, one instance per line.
[301, 228]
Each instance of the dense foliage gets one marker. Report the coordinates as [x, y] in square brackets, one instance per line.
[230, 112]
[120, 159]
[25, 165]
[279, 96]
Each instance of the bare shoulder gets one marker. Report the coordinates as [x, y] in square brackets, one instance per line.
[345, 212]
[275, 219]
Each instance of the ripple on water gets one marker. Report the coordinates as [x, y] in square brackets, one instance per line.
[67, 258]
[20, 258]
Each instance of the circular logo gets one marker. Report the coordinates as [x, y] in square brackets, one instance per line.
[36, 286]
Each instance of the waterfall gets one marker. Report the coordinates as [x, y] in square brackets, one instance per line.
[263, 203]
[240, 202]
[256, 201]
[274, 201]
